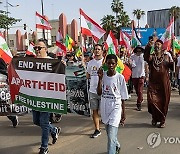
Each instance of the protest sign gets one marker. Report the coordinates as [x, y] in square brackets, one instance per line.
[38, 83]
[77, 96]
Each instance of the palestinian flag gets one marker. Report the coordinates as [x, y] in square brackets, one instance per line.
[38, 83]
[42, 22]
[5, 53]
[135, 40]
[80, 73]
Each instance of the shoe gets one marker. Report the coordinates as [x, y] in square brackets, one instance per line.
[153, 122]
[96, 133]
[55, 136]
[118, 149]
[161, 125]
[43, 151]
[139, 107]
[58, 118]
[15, 122]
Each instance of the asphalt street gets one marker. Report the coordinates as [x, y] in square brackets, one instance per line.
[138, 136]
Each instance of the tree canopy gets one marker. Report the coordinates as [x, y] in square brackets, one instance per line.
[115, 22]
[5, 20]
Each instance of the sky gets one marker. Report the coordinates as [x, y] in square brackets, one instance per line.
[96, 9]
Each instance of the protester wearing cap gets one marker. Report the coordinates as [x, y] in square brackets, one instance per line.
[138, 74]
[159, 88]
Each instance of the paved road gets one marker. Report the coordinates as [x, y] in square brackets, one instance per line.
[74, 138]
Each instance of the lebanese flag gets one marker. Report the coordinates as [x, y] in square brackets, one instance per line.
[42, 22]
[61, 46]
[59, 36]
[30, 50]
[90, 28]
[125, 40]
[5, 53]
[168, 35]
[112, 42]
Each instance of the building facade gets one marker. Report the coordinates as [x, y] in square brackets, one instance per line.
[161, 19]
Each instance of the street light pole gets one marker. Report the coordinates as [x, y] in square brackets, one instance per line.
[7, 37]
[42, 7]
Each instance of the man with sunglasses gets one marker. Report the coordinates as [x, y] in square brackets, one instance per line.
[42, 118]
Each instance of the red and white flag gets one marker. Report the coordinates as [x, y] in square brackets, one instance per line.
[61, 46]
[59, 36]
[168, 35]
[42, 22]
[90, 28]
[30, 50]
[5, 53]
[111, 42]
[125, 40]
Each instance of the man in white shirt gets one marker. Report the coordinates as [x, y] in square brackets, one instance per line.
[92, 74]
[138, 73]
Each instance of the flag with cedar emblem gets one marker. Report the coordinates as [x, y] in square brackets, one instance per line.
[42, 22]
[90, 28]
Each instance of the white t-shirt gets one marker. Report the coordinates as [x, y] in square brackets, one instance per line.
[178, 64]
[137, 63]
[113, 90]
[92, 68]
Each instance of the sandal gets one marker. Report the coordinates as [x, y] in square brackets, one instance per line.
[161, 125]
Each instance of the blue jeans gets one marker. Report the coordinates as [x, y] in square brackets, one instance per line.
[112, 139]
[42, 119]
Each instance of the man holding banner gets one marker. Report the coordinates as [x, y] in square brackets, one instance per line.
[42, 118]
[39, 84]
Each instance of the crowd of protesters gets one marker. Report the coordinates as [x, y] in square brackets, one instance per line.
[146, 67]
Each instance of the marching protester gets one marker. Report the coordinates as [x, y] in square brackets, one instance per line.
[92, 74]
[138, 73]
[3, 72]
[113, 91]
[42, 118]
[159, 88]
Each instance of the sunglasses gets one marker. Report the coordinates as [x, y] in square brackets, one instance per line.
[38, 48]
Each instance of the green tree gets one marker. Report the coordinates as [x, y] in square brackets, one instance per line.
[138, 13]
[5, 20]
[108, 23]
[117, 7]
[175, 11]
[114, 23]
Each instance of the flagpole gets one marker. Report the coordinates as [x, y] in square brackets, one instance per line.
[174, 64]
[42, 9]
[81, 44]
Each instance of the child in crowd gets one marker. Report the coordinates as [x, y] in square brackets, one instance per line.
[113, 91]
